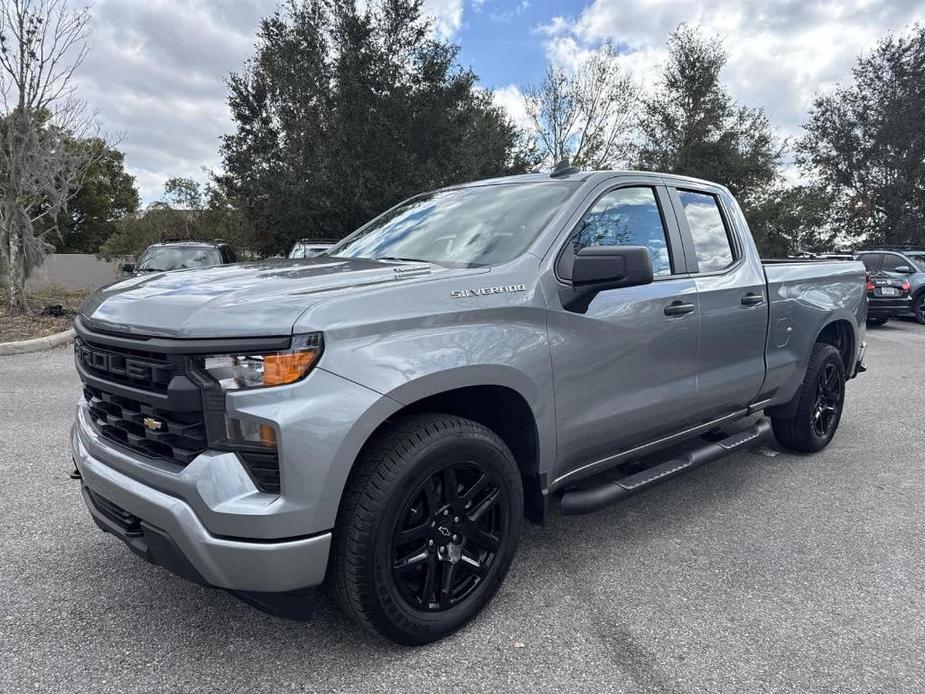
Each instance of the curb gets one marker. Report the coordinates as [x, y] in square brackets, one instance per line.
[38, 344]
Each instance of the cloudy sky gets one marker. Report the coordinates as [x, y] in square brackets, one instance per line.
[157, 68]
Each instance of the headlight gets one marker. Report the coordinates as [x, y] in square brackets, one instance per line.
[237, 371]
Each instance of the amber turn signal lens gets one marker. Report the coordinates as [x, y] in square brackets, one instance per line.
[279, 369]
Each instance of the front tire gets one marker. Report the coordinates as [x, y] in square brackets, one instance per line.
[819, 407]
[428, 527]
[876, 321]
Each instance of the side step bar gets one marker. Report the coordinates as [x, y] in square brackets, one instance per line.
[593, 499]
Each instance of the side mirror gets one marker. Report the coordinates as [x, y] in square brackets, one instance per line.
[598, 268]
[903, 269]
[128, 267]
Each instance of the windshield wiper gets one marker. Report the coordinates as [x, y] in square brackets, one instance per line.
[407, 260]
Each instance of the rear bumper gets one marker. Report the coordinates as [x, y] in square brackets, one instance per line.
[888, 308]
[165, 530]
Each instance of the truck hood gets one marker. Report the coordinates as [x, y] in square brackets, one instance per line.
[245, 300]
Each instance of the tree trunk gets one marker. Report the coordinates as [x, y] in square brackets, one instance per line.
[17, 272]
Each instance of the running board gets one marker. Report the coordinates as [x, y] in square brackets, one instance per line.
[595, 498]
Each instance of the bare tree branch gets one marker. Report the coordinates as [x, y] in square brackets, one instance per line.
[42, 43]
[587, 114]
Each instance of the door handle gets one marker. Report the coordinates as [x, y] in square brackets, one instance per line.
[678, 308]
[752, 299]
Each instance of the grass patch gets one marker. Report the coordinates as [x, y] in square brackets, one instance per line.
[33, 324]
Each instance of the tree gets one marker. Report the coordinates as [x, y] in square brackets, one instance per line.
[791, 220]
[343, 111]
[106, 194]
[692, 126]
[189, 210]
[865, 143]
[41, 45]
[587, 114]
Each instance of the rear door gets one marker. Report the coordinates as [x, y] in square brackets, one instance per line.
[730, 281]
[625, 371]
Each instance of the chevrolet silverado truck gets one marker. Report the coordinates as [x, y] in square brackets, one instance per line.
[386, 415]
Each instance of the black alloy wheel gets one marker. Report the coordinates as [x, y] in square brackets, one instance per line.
[447, 537]
[428, 528]
[827, 405]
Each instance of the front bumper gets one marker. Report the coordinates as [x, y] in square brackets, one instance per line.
[171, 534]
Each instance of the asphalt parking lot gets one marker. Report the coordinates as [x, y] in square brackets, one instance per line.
[758, 573]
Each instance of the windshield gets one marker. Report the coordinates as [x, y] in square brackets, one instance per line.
[463, 227]
[177, 257]
[918, 259]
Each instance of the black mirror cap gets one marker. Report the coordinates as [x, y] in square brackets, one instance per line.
[128, 267]
[599, 268]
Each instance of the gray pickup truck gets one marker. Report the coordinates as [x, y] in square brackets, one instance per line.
[386, 415]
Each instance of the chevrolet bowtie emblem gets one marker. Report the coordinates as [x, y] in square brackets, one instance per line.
[152, 424]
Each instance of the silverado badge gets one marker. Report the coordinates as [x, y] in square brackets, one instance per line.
[152, 424]
[485, 291]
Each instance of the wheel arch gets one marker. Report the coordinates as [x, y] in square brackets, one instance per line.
[504, 409]
[841, 334]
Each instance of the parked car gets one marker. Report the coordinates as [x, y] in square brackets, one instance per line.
[385, 416]
[177, 254]
[306, 248]
[887, 297]
[904, 263]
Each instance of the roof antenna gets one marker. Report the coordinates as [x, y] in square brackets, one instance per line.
[564, 168]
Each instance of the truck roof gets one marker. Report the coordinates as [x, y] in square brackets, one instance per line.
[582, 177]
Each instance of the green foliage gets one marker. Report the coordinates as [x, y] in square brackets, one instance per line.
[344, 111]
[189, 211]
[105, 195]
[692, 126]
[865, 142]
[788, 221]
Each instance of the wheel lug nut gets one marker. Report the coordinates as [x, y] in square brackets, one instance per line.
[430, 543]
[455, 538]
[446, 512]
[456, 519]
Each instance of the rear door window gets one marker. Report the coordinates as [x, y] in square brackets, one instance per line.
[712, 244]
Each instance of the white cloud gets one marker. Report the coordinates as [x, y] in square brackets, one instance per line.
[781, 54]
[511, 99]
[447, 15]
[156, 75]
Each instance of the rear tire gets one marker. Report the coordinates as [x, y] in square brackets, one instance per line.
[428, 527]
[918, 309]
[819, 407]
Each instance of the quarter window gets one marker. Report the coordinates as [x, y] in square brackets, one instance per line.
[626, 217]
[711, 241]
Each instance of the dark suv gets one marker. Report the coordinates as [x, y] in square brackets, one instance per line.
[177, 254]
[903, 264]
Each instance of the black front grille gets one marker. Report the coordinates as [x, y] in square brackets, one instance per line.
[175, 436]
[136, 368]
[160, 405]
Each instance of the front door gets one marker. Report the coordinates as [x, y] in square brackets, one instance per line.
[626, 370]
